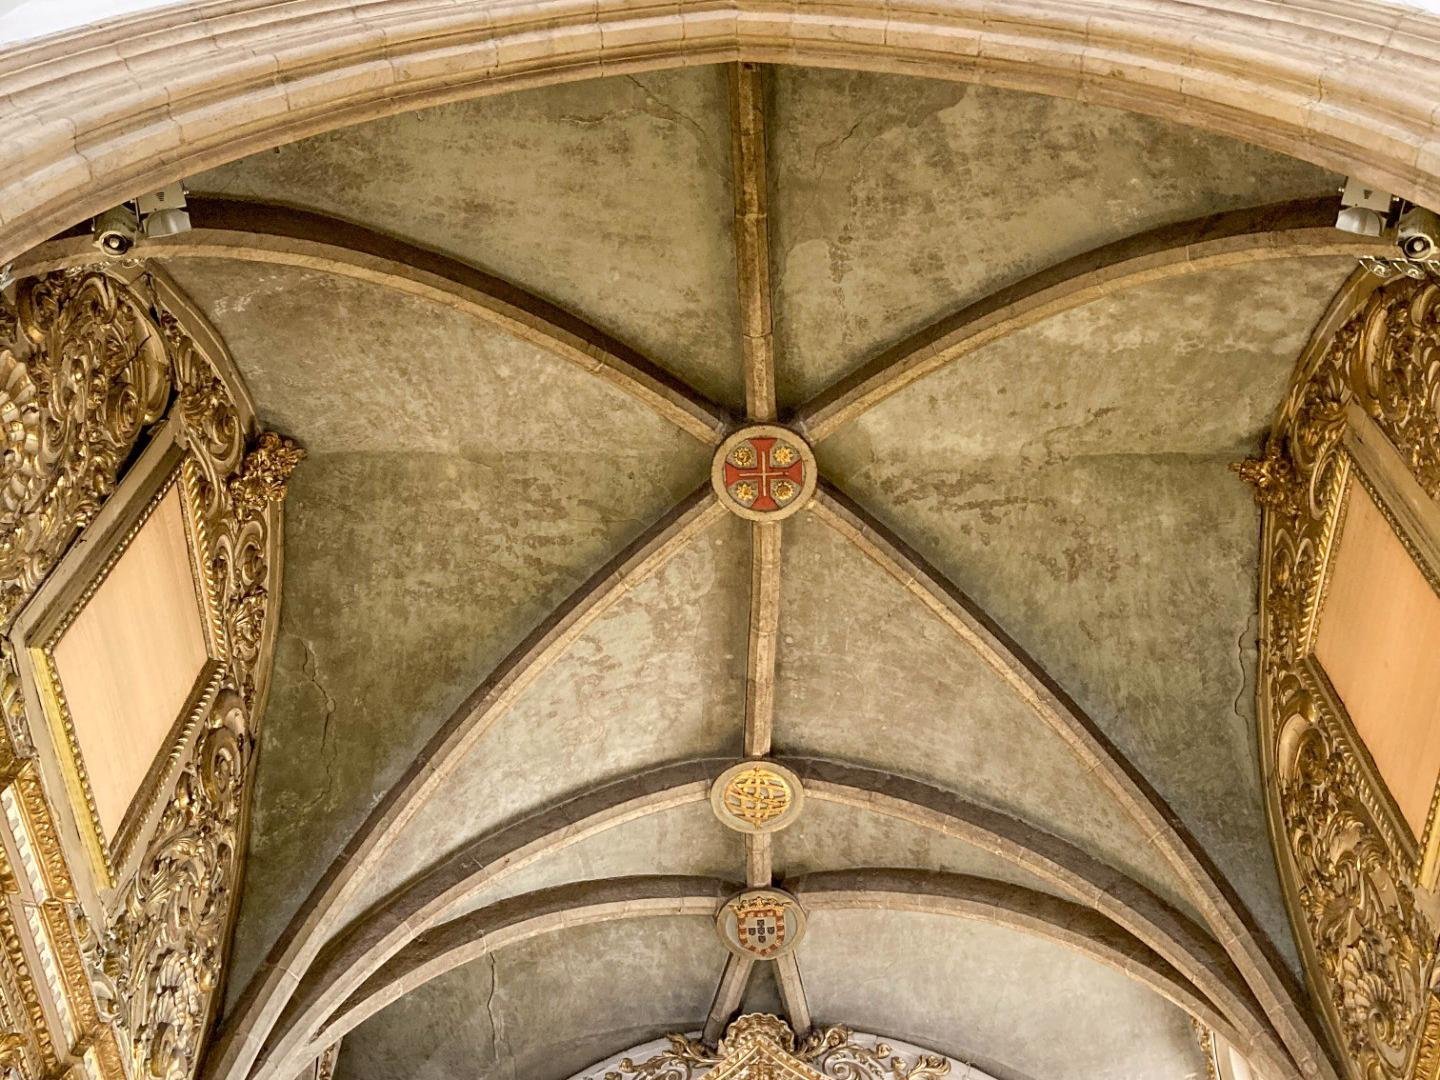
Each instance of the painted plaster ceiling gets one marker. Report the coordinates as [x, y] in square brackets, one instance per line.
[1069, 477]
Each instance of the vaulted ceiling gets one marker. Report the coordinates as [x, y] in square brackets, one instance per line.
[1017, 623]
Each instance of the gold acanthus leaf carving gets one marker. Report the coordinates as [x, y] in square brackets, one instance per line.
[82, 375]
[1270, 475]
[265, 471]
[1372, 945]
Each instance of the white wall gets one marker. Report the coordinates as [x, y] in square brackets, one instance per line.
[21, 20]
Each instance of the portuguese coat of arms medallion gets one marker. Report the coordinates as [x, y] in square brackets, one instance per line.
[761, 924]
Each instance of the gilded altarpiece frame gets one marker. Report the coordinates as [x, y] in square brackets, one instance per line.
[1362, 409]
[113, 390]
[163, 468]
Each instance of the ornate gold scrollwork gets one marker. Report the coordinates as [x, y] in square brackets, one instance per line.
[92, 363]
[762, 1047]
[160, 959]
[82, 377]
[1350, 880]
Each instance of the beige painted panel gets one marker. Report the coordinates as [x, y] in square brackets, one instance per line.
[1378, 638]
[131, 658]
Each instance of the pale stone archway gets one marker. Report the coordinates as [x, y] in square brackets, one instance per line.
[100, 114]
[94, 115]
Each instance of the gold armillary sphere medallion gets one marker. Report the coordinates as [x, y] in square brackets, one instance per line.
[761, 924]
[757, 797]
[764, 472]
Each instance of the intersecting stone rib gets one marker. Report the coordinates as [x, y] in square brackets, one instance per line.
[1015, 907]
[792, 994]
[528, 916]
[519, 919]
[311, 926]
[752, 238]
[425, 902]
[764, 631]
[1299, 229]
[279, 236]
[1231, 923]
[728, 995]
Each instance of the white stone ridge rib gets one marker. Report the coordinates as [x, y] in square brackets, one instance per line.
[1301, 228]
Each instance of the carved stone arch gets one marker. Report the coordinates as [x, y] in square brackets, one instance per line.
[472, 936]
[363, 947]
[87, 122]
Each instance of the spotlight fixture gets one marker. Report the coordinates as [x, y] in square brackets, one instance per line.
[116, 230]
[160, 213]
[1419, 234]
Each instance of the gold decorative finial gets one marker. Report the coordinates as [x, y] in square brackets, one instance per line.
[1269, 475]
[265, 472]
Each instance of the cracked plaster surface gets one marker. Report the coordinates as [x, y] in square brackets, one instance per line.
[1085, 501]
[550, 1006]
[611, 198]
[658, 677]
[867, 675]
[1005, 1001]
[896, 201]
[459, 486]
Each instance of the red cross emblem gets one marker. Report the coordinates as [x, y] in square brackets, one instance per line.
[764, 473]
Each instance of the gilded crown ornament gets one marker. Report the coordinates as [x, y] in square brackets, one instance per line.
[756, 797]
[764, 473]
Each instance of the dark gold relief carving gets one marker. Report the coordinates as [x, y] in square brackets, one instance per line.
[160, 959]
[1427, 1057]
[1351, 880]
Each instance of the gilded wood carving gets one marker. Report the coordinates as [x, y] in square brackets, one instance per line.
[89, 364]
[762, 1047]
[1353, 881]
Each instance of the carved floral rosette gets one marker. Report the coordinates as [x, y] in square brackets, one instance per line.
[1351, 883]
[89, 364]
